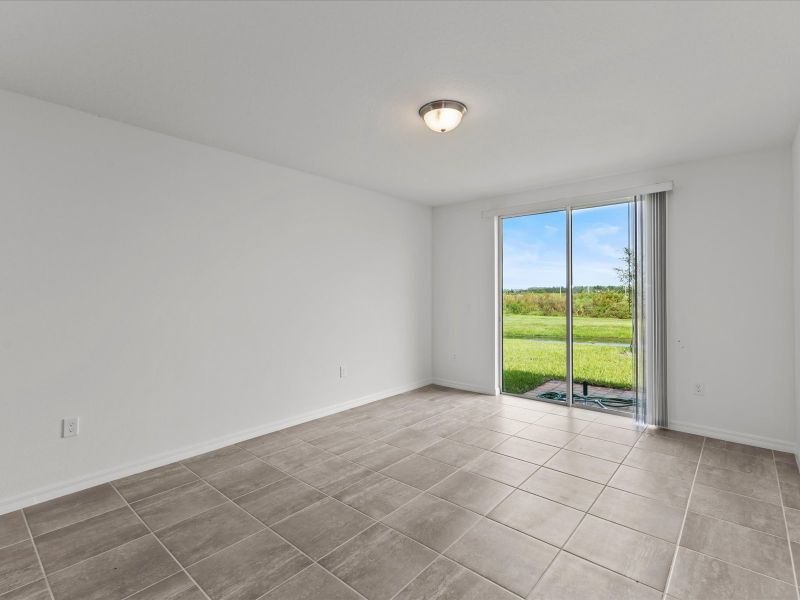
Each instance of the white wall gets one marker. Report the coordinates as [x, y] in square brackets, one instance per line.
[730, 292]
[173, 296]
[796, 173]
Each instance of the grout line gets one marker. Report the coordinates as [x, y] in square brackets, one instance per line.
[300, 572]
[683, 522]
[38, 558]
[177, 562]
[786, 527]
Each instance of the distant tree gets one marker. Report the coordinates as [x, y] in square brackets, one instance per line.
[626, 273]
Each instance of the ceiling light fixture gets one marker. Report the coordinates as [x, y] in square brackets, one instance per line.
[442, 116]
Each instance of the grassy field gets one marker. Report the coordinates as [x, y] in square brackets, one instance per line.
[527, 363]
[585, 329]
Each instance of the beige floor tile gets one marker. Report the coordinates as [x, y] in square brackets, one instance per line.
[546, 435]
[509, 558]
[245, 478]
[665, 464]
[560, 487]
[680, 448]
[744, 448]
[738, 509]
[527, 450]
[177, 587]
[321, 527]
[738, 545]
[18, 566]
[154, 481]
[689, 438]
[790, 495]
[446, 580]
[737, 461]
[636, 555]
[411, 439]
[431, 521]
[202, 535]
[650, 484]
[598, 448]
[476, 493]
[376, 455]
[250, 568]
[333, 475]
[71, 544]
[625, 422]
[339, 442]
[218, 460]
[582, 465]
[375, 428]
[418, 471]
[760, 488]
[379, 562]
[440, 425]
[639, 513]
[115, 574]
[32, 591]
[269, 443]
[521, 414]
[504, 469]
[785, 457]
[480, 437]
[699, 577]
[170, 507]
[502, 424]
[297, 458]
[793, 524]
[611, 434]
[314, 583]
[571, 577]
[452, 453]
[788, 473]
[539, 517]
[12, 528]
[72, 508]
[377, 495]
[569, 424]
[279, 500]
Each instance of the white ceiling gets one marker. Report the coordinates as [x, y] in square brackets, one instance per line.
[556, 91]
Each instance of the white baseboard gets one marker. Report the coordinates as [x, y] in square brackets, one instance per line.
[467, 387]
[62, 488]
[734, 436]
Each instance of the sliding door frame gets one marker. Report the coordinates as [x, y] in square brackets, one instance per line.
[560, 206]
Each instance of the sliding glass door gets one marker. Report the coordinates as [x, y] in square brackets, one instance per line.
[568, 306]
[535, 304]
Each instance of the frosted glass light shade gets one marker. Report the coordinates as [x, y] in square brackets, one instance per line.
[442, 116]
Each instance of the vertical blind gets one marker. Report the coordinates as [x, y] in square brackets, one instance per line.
[651, 308]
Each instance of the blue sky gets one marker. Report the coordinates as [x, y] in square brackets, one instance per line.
[534, 247]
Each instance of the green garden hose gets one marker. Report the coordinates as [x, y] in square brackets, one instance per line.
[605, 402]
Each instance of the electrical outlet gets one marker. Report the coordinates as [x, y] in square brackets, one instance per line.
[69, 427]
[342, 371]
[699, 389]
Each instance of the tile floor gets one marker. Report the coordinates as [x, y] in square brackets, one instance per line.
[431, 494]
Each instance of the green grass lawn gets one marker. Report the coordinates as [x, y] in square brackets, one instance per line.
[528, 364]
[585, 329]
